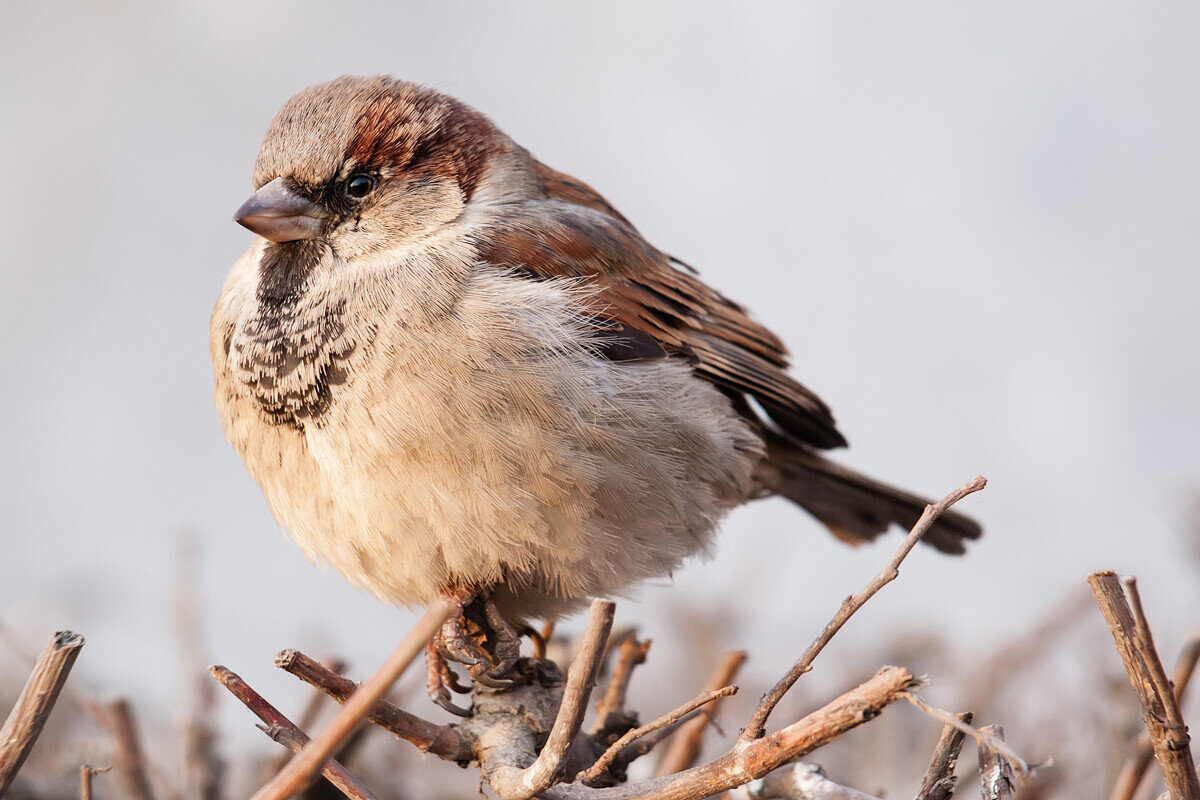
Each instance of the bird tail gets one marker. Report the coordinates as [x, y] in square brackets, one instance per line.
[854, 507]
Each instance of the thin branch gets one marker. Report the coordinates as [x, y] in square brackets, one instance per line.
[1160, 711]
[287, 733]
[306, 763]
[312, 710]
[428, 737]
[995, 770]
[85, 780]
[130, 758]
[605, 761]
[1143, 752]
[982, 739]
[685, 745]
[631, 653]
[939, 780]
[516, 784]
[891, 570]
[798, 782]
[29, 715]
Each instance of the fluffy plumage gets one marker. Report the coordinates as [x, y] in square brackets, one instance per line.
[478, 375]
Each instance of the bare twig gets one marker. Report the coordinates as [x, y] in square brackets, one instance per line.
[891, 570]
[1135, 768]
[798, 782]
[130, 759]
[982, 739]
[1160, 711]
[606, 760]
[685, 744]
[312, 709]
[306, 763]
[85, 780]
[29, 715]
[939, 780]
[995, 770]
[441, 740]
[631, 653]
[512, 783]
[284, 731]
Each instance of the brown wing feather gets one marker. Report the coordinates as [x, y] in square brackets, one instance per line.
[576, 233]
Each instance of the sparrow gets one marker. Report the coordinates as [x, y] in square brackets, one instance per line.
[455, 371]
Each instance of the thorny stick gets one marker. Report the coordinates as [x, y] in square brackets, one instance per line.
[1135, 768]
[85, 780]
[596, 770]
[1160, 711]
[995, 772]
[37, 699]
[685, 744]
[441, 740]
[284, 731]
[939, 780]
[978, 735]
[298, 771]
[631, 653]
[517, 784]
[890, 571]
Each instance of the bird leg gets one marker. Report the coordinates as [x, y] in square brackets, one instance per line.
[478, 637]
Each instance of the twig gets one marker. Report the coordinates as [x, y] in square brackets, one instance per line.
[130, 759]
[516, 784]
[891, 570]
[631, 653]
[441, 740]
[939, 780]
[982, 739]
[298, 771]
[995, 771]
[37, 699]
[1135, 768]
[605, 761]
[1160, 711]
[312, 710]
[685, 745]
[85, 780]
[798, 782]
[287, 733]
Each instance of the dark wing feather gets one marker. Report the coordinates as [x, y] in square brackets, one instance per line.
[575, 233]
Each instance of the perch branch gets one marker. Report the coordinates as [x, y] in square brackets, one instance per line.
[287, 733]
[685, 745]
[441, 740]
[1135, 768]
[602, 764]
[305, 764]
[37, 699]
[939, 780]
[995, 770]
[891, 570]
[512, 783]
[631, 653]
[798, 782]
[1160, 711]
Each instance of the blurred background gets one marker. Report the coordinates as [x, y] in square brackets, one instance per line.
[975, 225]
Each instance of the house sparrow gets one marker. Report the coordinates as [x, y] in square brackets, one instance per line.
[455, 371]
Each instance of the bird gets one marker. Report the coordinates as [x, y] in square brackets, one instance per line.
[456, 372]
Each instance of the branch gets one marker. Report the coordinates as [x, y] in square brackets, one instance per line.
[799, 782]
[300, 769]
[1135, 768]
[131, 761]
[287, 733]
[981, 739]
[891, 570]
[512, 783]
[939, 780]
[29, 715]
[685, 745]
[602, 764]
[612, 705]
[995, 770]
[428, 737]
[1160, 711]
[85, 780]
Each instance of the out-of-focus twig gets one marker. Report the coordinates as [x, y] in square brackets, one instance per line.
[85, 780]
[129, 756]
[891, 571]
[995, 771]
[939, 780]
[630, 653]
[685, 744]
[29, 715]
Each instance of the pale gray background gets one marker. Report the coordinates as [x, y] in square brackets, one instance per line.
[976, 226]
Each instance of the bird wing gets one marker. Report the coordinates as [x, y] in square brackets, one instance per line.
[652, 304]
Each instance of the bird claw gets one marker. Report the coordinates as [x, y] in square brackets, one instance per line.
[488, 668]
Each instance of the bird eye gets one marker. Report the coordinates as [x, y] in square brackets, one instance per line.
[359, 185]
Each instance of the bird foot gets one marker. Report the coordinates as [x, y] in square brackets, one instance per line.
[478, 637]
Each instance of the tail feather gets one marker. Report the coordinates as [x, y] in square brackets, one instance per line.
[854, 507]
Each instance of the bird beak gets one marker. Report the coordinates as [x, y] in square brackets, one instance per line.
[277, 212]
